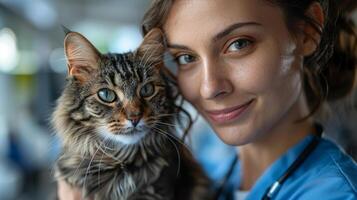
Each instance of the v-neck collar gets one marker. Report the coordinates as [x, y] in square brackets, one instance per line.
[275, 170]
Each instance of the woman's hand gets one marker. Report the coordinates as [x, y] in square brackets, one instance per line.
[66, 192]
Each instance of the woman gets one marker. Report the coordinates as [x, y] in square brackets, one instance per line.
[258, 71]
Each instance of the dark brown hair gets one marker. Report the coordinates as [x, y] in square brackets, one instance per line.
[329, 73]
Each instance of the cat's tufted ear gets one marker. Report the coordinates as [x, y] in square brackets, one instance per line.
[153, 51]
[82, 57]
[152, 48]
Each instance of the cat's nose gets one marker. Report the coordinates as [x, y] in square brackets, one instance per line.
[135, 120]
[133, 115]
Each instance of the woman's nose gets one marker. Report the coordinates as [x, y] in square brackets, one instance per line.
[215, 81]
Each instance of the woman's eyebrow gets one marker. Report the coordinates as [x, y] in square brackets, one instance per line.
[233, 27]
[177, 46]
[219, 35]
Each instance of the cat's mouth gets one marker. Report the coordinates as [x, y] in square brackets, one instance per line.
[132, 131]
[126, 136]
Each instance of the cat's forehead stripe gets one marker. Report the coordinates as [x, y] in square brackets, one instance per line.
[123, 70]
[118, 79]
[131, 66]
[123, 65]
[118, 65]
[126, 66]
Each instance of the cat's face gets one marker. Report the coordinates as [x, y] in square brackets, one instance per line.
[123, 97]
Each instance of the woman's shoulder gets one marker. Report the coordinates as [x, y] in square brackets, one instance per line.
[336, 163]
[329, 173]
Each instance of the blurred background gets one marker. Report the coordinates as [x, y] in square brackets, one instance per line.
[32, 75]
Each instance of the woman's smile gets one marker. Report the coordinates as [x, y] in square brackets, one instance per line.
[230, 114]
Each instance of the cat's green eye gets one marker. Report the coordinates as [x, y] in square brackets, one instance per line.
[147, 90]
[107, 95]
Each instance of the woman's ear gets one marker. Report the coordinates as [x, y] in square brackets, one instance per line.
[311, 35]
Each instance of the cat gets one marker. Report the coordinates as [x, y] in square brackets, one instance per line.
[116, 121]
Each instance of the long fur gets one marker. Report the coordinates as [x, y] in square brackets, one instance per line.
[158, 165]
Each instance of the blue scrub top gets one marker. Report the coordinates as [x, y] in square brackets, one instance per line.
[327, 173]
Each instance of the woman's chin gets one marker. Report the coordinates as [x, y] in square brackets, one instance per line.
[232, 136]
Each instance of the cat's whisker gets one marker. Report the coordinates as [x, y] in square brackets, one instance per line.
[88, 167]
[103, 142]
[82, 159]
[108, 155]
[172, 137]
[78, 166]
[166, 124]
[176, 148]
[175, 138]
[100, 161]
[163, 115]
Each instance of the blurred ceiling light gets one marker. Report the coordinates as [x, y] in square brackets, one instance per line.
[40, 13]
[29, 63]
[125, 39]
[57, 61]
[8, 50]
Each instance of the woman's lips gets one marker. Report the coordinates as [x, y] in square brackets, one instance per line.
[228, 114]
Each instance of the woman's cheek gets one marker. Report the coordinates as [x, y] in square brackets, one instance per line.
[254, 75]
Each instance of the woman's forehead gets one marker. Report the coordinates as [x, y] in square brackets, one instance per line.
[192, 17]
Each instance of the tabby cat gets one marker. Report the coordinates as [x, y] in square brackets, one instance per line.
[116, 122]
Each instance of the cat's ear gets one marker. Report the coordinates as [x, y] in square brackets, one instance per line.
[152, 48]
[82, 57]
[153, 51]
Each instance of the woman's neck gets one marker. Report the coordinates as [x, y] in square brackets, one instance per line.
[256, 157]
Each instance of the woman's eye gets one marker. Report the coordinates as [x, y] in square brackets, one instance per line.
[239, 44]
[107, 95]
[185, 59]
[147, 90]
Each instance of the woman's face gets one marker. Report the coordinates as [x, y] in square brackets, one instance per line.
[238, 64]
